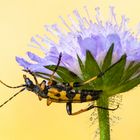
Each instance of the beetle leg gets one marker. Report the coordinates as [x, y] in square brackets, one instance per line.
[69, 109]
[78, 84]
[42, 85]
[40, 98]
[49, 101]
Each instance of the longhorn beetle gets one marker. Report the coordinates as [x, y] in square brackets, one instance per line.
[61, 92]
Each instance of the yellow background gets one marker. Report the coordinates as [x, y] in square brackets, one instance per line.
[25, 118]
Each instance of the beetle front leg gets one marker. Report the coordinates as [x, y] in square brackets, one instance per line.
[49, 101]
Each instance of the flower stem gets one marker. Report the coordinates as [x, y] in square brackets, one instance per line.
[104, 125]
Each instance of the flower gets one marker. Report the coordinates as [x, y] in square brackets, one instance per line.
[107, 49]
[83, 35]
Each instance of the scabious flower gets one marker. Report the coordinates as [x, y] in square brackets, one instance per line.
[88, 48]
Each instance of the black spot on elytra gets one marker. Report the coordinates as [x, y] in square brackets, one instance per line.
[57, 95]
[93, 93]
[70, 94]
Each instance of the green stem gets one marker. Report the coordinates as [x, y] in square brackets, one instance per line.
[104, 125]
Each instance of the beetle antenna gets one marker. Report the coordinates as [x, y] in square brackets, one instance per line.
[58, 63]
[11, 97]
[11, 86]
[100, 74]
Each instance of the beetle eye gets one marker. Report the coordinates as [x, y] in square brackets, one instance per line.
[28, 82]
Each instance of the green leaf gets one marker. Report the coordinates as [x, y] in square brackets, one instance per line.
[108, 58]
[113, 75]
[130, 71]
[64, 73]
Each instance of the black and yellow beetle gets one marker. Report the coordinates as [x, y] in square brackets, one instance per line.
[61, 92]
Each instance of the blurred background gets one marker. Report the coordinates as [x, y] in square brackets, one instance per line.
[25, 117]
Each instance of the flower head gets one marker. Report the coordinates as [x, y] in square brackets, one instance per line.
[85, 34]
[90, 48]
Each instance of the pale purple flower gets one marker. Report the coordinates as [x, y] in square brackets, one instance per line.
[84, 34]
[97, 37]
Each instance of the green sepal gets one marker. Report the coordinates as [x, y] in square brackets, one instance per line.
[130, 65]
[130, 71]
[113, 76]
[64, 73]
[127, 85]
[92, 69]
[108, 58]
[47, 76]
[91, 65]
[82, 67]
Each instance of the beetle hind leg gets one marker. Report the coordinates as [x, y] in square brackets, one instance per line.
[69, 109]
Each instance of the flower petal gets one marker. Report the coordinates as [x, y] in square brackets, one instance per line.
[23, 62]
[114, 38]
[35, 58]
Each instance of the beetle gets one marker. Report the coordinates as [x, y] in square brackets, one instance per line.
[61, 92]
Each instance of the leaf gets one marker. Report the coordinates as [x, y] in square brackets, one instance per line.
[64, 73]
[108, 58]
[112, 76]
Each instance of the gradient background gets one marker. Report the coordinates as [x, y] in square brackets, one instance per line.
[26, 118]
